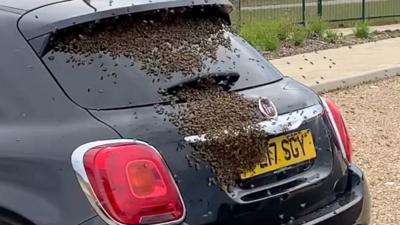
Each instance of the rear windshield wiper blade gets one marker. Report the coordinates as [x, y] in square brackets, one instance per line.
[224, 79]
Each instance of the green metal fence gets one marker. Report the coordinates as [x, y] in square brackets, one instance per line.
[302, 10]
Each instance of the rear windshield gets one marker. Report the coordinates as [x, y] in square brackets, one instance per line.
[129, 61]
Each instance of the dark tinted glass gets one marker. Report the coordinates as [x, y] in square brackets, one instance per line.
[114, 82]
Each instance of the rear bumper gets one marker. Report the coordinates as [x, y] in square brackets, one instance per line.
[351, 209]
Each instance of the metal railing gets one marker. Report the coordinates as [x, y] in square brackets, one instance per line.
[302, 10]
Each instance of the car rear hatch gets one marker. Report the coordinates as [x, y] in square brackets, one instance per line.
[274, 197]
[130, 105]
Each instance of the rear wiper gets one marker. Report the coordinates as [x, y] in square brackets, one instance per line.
[224, 79]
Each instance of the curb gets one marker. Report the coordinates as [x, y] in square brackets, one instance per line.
[346, 82]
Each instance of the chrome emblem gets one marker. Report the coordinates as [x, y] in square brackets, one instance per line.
[267, 108]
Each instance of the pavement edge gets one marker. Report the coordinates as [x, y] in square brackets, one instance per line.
[350, 81]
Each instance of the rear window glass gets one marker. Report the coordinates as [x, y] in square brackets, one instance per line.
[129, 61]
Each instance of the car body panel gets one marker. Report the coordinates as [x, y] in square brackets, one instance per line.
[27, 4]
[11, 10]
[351, 209]
[38, 129]
[317, 181]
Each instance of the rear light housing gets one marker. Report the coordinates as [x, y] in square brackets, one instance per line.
[128, 182]
[339, 127]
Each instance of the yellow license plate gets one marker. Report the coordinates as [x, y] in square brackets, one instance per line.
[285, 150]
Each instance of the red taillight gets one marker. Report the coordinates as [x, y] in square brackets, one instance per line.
[132, 183]
[340, 127]
[145, 180]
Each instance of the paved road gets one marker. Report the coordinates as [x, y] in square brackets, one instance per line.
[372, 112]
[297, 5]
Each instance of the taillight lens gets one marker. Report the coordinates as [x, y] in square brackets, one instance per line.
[339, 127]
[133, 184]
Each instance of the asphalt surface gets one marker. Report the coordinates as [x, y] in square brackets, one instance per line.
[372, 113]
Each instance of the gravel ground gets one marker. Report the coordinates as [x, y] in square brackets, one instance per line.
[372, 112]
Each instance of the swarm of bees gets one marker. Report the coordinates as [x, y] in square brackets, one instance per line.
[165, 46]
[234, 143]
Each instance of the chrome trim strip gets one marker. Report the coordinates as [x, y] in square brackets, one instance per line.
[78, 166]
[283, 123]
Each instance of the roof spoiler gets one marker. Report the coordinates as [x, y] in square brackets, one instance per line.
[38, 25]
[50, 18]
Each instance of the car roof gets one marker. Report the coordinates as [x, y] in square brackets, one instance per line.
[25, 5]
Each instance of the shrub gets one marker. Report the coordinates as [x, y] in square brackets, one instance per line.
[270, 42]
[361, 30]
[283, 28]
[317, 27]
[299, 35]
[331, 36]
[261, 34]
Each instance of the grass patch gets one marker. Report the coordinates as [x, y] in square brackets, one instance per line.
[331, 36]
[268, 35]
[361, 30]
[261, 35]
[317, 27]
[283, 27]
[299, 35]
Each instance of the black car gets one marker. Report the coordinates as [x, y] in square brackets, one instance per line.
[76, 148]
